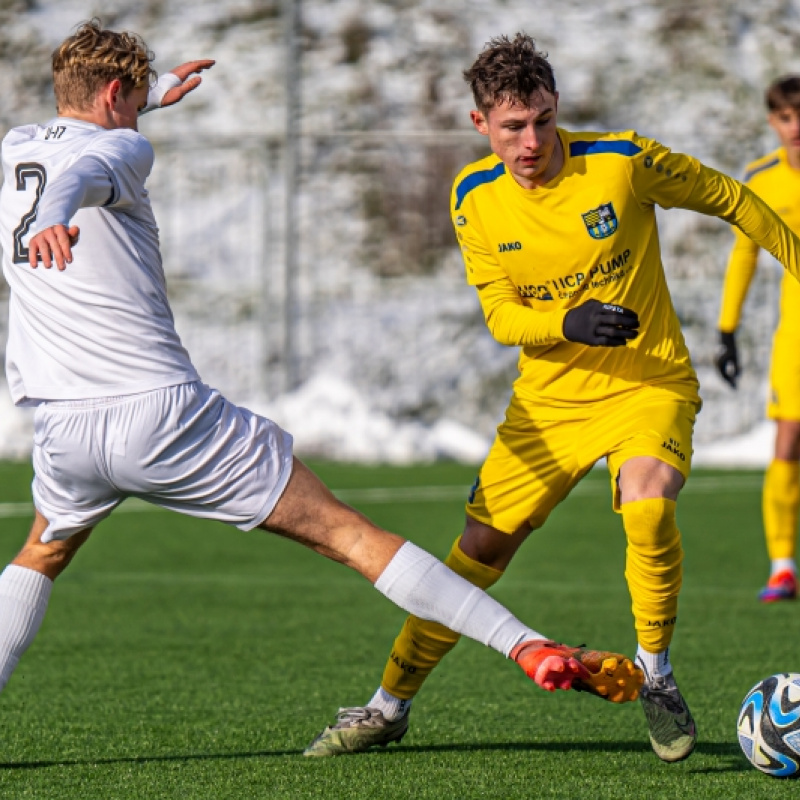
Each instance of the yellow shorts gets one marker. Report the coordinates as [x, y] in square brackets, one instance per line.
[535, 463]
[784, 379]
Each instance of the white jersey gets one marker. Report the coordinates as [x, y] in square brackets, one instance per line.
[102, 327]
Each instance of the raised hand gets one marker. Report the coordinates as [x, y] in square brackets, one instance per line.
[183, 72]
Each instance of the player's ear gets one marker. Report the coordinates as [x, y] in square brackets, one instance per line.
[479, 121]
[113, 92]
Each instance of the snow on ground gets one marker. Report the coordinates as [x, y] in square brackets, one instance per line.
[329, 417]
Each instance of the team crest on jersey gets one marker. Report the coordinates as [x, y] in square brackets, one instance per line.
[601, 222]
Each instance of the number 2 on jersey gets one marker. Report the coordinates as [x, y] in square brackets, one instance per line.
[24, 173]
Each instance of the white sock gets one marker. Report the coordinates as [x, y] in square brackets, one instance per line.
[780, 564]
[390, 706]
[426, 588]
[23, 600]
[655, 665]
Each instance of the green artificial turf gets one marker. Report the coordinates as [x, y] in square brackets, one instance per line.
[184, 659]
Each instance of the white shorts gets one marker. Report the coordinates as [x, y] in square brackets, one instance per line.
[183, 447]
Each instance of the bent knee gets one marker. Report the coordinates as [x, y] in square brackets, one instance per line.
[651, 523]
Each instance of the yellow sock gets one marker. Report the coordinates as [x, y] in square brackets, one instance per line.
[653, 569]
[421, 645]
[780, 504]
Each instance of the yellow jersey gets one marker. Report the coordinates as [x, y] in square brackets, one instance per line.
[591, 233]
[778, 184]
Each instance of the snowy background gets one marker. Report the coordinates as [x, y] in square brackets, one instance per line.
[392, 358]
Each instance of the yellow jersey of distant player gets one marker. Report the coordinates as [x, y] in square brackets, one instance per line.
[778, 184]
[591, 232]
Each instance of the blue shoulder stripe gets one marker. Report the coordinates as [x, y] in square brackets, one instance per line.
[760, 168]
[619, 146]
[476, 179]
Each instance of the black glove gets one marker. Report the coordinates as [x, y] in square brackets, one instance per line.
[600, 324]
[727, 360]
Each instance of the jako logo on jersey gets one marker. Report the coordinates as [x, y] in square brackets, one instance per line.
[505, 247]
[461, 221]
[601, 222]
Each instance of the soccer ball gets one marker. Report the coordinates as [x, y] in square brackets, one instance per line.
[769, 725]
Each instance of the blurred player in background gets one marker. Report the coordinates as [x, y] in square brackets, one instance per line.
[559, 237]
[776, 179]
[120, 409]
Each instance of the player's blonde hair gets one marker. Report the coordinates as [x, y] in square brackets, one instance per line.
[92, 57]
[509, 70]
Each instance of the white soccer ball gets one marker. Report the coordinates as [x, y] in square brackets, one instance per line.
[769, 725]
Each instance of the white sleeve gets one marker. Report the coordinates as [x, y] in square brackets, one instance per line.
[128, 157]
[85, 183]
[111, 173]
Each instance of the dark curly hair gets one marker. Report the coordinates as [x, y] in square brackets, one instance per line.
[509, 70]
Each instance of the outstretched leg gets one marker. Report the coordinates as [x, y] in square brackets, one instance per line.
[309, 513]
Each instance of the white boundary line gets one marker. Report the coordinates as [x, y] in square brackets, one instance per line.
[698, 484]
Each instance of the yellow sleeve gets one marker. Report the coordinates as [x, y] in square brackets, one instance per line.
[659, 176]
[511, 322]
[673, 179]
[720, 196]
[480, 262]
[738, 276]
